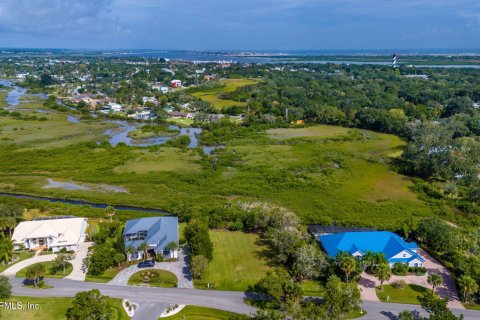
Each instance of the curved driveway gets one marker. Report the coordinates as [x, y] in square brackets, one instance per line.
[368, 282]
[179, 268]
[27, 262]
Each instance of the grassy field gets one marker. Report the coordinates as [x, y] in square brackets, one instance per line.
[201, 313]
[55, 131]
[163, 160]
[238, 261]
[53, 309]
[51, 271]
[154, 278]
[407, 295]
[321, 173]
[228, 86]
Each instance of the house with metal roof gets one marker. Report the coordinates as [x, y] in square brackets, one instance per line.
[55, 233]
[157, 232]
[357, 244]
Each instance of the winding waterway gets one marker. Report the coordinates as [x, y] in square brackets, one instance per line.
[82, 203]
[13, 97]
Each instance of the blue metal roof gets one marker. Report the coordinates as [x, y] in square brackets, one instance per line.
[388, 243]
[155, 231]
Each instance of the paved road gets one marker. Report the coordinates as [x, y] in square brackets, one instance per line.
[149, 310]
[154, 298]
[224, 300]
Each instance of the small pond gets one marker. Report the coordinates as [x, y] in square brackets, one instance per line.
[72, 186]
[120, 135]
[72, 119]
[53, 184]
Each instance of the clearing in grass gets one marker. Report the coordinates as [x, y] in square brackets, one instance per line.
[238, 261]
[213, 95]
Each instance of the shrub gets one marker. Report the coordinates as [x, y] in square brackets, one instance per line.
[400, 269]
[420, 271]
[399, 284]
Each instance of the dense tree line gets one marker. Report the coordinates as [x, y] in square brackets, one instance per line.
[108, 251]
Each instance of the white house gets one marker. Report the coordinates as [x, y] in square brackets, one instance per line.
[115, 107]
[50, 232]
[150, 99]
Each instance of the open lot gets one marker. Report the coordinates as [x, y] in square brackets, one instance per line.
[238, 261]
[228, 86]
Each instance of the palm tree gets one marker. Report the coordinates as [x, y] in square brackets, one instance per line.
[110, 212]
[434, 280]
[368, 260]
[384, 273]
[119, 258]
[144, 247]
[468, 286]
[348, 265]
[130, 250]
[6, 250]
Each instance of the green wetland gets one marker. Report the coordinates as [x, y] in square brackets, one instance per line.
[322, 173]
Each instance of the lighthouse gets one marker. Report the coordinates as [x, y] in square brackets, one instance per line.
[394, 60]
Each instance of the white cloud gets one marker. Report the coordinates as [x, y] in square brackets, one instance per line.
[62, 17]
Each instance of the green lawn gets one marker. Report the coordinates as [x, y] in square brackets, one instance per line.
[238, 261]
[53, 309]
[407, 295]
[472, 306]
[201, 313]
[228, 85]
[312, 288]
[105, 277]
[51, 271]
[21, 255]
[154, 278]
[357, 313]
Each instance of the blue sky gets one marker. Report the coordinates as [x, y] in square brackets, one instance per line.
[240, 25]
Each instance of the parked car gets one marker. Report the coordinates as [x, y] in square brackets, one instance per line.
[146, 264]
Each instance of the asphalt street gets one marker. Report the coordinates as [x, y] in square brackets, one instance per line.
[152, 300]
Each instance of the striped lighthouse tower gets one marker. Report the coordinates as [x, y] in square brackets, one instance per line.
[394, 60]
